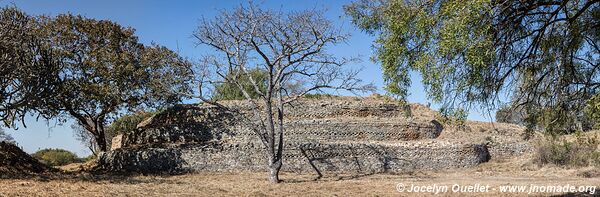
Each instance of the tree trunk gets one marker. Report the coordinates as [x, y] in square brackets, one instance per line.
[101, 141]
[274, 168]
[96, 128]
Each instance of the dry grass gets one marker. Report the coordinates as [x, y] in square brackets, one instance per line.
[496, 173]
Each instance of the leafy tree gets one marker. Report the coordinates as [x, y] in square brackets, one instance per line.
[105, 70]
[290, 47]
[592, 110]
[28, 74]
[124, 124]
[229, 91]
[553, 119]
[128, 123]
[453, 116]
[56, 157]
[544, 54]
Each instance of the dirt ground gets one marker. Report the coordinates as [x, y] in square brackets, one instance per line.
[496, 174]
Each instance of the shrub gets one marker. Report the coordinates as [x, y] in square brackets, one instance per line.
[580, 152]
[56, 157]
[453, 117]
[317, 96]
[230, 91]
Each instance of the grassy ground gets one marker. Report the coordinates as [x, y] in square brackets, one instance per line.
[496, 173]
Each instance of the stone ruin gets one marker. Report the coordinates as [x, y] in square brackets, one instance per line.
[335, 135]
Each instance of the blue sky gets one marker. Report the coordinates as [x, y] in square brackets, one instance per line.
[171, 23]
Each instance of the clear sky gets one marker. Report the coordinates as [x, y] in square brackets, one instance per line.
[171, 23]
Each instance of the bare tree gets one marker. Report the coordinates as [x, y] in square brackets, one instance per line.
[290, 47]
[85, 138]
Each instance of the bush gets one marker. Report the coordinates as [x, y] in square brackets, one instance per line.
[56, 157]
[580, 152]
[318, 96]
[230, 91]
[453, 117]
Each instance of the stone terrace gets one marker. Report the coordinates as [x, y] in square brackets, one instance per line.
[337, 135]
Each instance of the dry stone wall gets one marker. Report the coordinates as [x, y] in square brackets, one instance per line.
[334, 135]
[351, 158]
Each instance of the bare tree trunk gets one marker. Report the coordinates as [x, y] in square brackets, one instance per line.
[274, 162]
[278, 163]
[274, 168]
[286, 54]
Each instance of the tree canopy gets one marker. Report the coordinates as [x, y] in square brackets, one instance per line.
[542, 54]
[28, 72]
[105, 70]
[69, 66]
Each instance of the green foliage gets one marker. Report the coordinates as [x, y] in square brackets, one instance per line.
[592, 110]
[545, 54]
[231, 91]
[56, 157]
[453, 116]
[89, 158]
[69, 66]
[555, 120]
[127, 123]
[106, 70]
[581, 152]
[425, 37]
[28, 74]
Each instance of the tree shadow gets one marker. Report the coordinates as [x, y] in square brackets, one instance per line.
[323, 159]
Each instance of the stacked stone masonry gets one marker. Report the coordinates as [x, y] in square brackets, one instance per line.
[322, 136]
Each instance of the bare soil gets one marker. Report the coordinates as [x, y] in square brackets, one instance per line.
[516, 172]
[15, 162]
